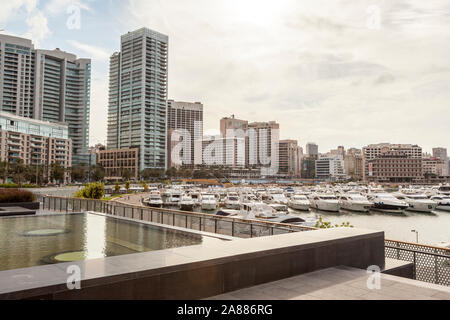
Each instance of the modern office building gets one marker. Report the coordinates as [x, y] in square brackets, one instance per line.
[48, 85]
[138, 97]
[330, 167]
[116, 161]
[312, 149]
[373, 151]
[185, 125]
[289, 158]
[36, 143]
[441, 153]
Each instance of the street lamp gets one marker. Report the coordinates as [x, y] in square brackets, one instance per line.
[417, 235]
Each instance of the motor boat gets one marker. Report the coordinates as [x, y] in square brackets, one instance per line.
[196, 197]
[417, 202]
[154, 200]
[279, 207]
[325, 202]
[386, 202]
[186, 203]
[299, 202]
[276, 196]
[443, 202]
[232, 201]
[208, 201]
[355, 202]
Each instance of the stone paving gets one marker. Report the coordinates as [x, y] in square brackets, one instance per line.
[340, 283]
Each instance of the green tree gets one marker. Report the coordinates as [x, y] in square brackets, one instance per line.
[18, 172]
[326, 225]
[126, 174]
[95, 190]
[127, 186]
[78, 173]
[117, 187]
[57, 172]
[171, 172]
[97, 173]
[4, 170]
[145, 186]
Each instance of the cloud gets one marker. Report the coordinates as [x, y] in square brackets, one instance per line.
[37, 27]
[60, 6]
[94, 52]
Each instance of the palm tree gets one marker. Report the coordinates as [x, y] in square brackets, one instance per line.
[4, 170]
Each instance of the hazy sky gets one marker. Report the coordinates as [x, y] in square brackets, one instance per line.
[332, 72]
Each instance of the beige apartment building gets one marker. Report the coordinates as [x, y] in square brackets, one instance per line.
[289, 158]
[115, 161]
[35, 142]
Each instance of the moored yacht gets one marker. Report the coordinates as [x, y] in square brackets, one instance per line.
[154, 200]
[232, 201]
[386, 202]
[355, 202]
[325, 202]
[186, 203]
[299, 202]
[417, 202]
[208, 201]
[442, 201]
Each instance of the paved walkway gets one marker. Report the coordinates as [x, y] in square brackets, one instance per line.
[340, 283]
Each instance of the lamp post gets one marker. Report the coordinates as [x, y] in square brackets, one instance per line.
[417, 235]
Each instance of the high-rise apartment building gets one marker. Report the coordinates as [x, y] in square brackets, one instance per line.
[225, 152]
[186, 120]
[312, 149]
[289, 158]
[48, 85]
[138, 96]
[353, 163]
[231, 123]
[263, 143]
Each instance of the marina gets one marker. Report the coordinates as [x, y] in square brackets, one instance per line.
[397, 212]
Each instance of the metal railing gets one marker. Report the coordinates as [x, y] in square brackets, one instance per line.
[230, 226]
[431, 264]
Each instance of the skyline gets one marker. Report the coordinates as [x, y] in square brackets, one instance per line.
[319, 67]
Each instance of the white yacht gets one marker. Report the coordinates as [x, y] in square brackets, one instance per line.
[232, 201]
[154, 200]
[276, 196]
[196, 197]
[186, 203]
[325, 202]
[299, 202]
[355, 202]
[417, 202]
[386, 202]
[279, 207]
[208, 201]
[442, 201]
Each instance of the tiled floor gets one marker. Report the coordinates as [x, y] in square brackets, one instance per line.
[340, 283]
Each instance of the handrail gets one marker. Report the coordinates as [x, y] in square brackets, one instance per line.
[419, 252]
[419, 245]
[260, 222]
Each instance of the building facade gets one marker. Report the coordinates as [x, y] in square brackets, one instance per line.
[353, 163]
[138, 97]
[289, 158]
[374, 151]
[312, 149]
[394, 167]
[185, 123]
[434, 166]
[116, 161]
[330, 167]
[36, 143]
[263, 142]
[48, 85]
[226, 152]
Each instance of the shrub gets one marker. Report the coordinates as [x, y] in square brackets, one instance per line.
[15, 195]
[94, 190]
[15, 186]
[326, 225]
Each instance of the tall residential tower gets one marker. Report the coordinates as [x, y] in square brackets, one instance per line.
[138, 97]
